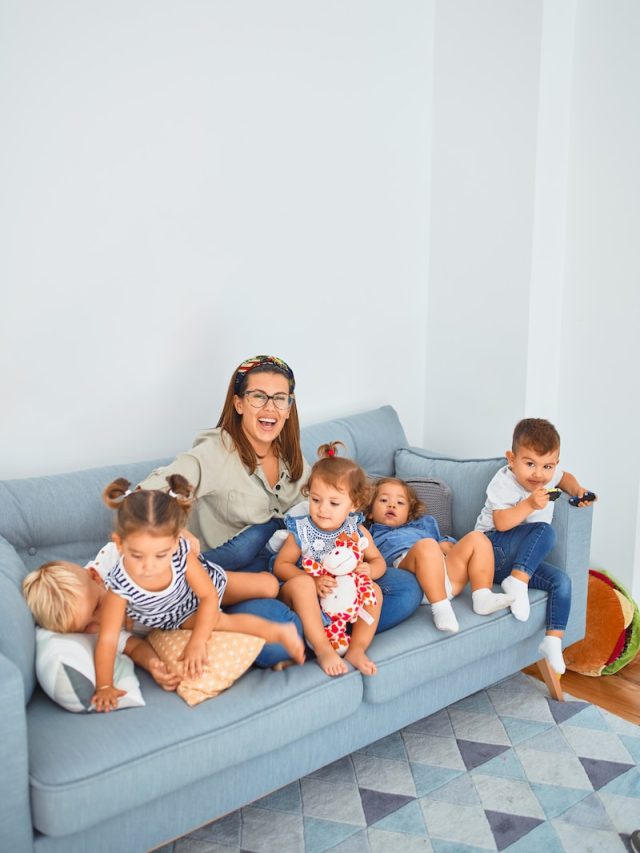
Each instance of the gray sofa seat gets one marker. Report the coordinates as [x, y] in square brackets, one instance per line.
[84, 771]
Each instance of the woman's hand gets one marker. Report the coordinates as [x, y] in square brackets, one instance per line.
[194, 658]
[106, 698]
[364, 569]
[325, 584]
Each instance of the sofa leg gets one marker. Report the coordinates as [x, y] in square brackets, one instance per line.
[551, 679]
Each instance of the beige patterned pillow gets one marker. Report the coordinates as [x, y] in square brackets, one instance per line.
[230, 656]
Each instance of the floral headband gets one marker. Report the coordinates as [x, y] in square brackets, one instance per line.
[259, 361]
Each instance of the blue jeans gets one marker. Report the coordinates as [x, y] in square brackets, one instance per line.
[401, 597]
[247, 551]
[524, 548]
[276, 611]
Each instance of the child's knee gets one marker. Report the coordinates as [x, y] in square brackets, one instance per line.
[546, 533]
[478, 541]
[426, 548]
[270, 584]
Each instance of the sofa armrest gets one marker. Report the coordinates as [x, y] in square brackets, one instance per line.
[572, 526]
[16, 831]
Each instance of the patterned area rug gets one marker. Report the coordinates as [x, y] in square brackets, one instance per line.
[505, 769]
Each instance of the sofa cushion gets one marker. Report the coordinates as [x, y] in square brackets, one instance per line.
[229, 656]
[371, 438]
[86, 768]
[437, 497]
[66, 672]
[467, 478]
[415, 652]
[62, 517]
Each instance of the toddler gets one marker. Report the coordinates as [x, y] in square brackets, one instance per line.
[159, 582]
[67, 598]
[337, 490]
[410, 539]
[517, 520]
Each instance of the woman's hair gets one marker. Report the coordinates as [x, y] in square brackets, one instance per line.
[417, 508]
[162, 513]
[54, 592]
[287, 444]
[340, 473]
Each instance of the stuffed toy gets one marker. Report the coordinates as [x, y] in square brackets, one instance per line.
[352, 592]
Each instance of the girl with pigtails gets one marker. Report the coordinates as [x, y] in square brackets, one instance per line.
[338, 491]
[160, 582]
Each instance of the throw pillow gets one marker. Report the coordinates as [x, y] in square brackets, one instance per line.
[436, 494]
[467, 478]
[230, 656]
[65, 671]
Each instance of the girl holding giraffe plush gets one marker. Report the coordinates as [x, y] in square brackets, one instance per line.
[337, 491]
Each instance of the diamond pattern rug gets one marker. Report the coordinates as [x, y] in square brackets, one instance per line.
[505, 769]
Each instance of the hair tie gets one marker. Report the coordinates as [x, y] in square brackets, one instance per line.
[331, 452]
[259, 361]
[125, 495]
[175, 495]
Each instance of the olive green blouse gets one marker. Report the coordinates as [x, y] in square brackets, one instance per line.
[229, 499]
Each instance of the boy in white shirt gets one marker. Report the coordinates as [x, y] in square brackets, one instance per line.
[517, 519]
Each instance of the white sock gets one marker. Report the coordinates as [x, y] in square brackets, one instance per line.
[551, 648]
[520, 592]
[485, 601]
[444, 617]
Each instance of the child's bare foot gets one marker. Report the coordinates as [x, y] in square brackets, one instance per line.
[330, 661]
[358, 658]
[283, 664]
[287, 635]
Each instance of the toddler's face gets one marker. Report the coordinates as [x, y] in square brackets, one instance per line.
[390, 505]
[328, 506]
[533, 470]
[88, 611]
[147, 558]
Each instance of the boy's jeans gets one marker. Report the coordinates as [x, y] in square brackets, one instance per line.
[524, 547]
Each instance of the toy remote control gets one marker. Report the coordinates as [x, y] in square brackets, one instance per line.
[554, 494]
[588, 496]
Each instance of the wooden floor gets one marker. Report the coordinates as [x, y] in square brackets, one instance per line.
[618, 693]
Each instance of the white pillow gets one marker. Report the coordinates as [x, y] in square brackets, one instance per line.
[65, 670]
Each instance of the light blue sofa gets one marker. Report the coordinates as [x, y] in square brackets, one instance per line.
[133, 780]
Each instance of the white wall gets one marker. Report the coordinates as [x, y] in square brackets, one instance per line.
[601, 325]
[189, 184]
[429, 204]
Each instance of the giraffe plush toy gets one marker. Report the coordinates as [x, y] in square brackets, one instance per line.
[353, 591]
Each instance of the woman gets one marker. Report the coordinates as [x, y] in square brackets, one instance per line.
[247, 473]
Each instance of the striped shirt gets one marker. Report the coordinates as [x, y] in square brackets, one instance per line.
[165, 608]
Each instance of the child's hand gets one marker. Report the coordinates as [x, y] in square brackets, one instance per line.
[324, 585]
[539, 499]
[364, 569]
[194, 659]
[161, 675]
[106, 698]
[579, 492]
[194, 542]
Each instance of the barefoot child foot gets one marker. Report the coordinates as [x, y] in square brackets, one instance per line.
[520, 592]
[287, 635]
[485, 601]
[330, 661]
[357, 657]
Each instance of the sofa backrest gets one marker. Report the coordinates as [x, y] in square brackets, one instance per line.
[63, 517]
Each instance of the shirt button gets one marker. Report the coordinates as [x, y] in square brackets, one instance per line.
[278, 487]
[33, 551]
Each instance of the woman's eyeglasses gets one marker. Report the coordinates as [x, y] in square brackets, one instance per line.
[258, 399]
